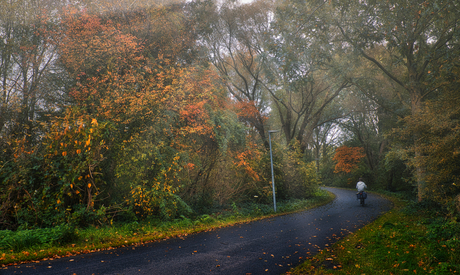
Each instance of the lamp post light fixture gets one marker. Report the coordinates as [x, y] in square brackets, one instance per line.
[271, 162]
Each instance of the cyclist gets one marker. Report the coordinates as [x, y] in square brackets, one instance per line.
[361, 185]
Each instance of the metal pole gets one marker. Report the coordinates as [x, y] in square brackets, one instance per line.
[271, 162]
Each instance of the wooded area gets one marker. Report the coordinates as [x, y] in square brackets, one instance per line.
[120, 110]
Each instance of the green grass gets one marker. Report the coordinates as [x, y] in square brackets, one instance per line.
[38, 244]
[405, 240]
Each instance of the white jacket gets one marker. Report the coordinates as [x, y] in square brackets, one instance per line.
[361, 186]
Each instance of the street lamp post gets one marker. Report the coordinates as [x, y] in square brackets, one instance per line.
[271, 162]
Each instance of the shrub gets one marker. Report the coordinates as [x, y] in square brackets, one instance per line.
[29, 238]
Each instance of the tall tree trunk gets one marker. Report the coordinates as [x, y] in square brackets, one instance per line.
[419, 169]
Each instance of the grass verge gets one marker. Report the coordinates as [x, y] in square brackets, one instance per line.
[409, 239]
[42, 244]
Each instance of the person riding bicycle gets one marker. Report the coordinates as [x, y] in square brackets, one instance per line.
[361, 195]
[361, 185]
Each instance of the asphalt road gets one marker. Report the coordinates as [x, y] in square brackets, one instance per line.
[270, 246]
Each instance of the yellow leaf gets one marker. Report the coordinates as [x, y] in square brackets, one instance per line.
[64, 153]
[89, 185]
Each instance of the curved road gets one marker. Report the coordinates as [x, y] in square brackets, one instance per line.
[270, 246]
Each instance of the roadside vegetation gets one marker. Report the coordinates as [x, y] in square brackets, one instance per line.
[117, 114]
[37, 244]
[412, 238]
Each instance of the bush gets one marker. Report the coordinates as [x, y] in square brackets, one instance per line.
[295, 178]
[443, 234]
[83, 217]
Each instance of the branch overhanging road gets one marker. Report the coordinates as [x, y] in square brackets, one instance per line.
[270, 246]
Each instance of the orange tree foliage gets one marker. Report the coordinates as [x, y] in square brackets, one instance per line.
[182, 136]
[244, 161]
[173, 113]
[142, 132]
[248, 111]
[113, 80]
[158, 108]
[119, 94]
[347, 158]
[165, 29]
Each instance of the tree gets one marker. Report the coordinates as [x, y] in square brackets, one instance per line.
[419, 37]
[300, 82]
[347, 158]
[324, 138]
[117, 82]
[27, 62]
[164, 28]
[233, 36]
[436, 128]
[167, 115]
[264, 61]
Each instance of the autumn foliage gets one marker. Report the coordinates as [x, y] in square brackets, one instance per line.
[143, 131]
[347, 158]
